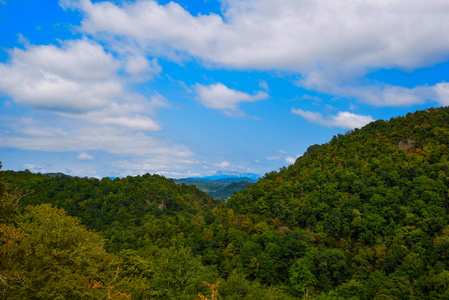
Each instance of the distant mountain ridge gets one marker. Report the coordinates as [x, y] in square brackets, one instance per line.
[58, 174]
[221, 175]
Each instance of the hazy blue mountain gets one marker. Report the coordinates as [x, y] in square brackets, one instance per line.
[220, 175]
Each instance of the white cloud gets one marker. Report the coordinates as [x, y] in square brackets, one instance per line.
[218, 96]
[223, 164]
[376, 95]
[84, 156]
[389, 95]
[352, 107]
[135, 123]
[342, 119]
[81, 138]
[77, 77]
[177, 175]
[34, 168]
[442, 91]
[349, 120]
[264, 85]
[84, 104]
[141, 68]
[285, 35]
[163, 164]
[331, 43]
[273, 158]
[282, 151]
[290, 160]
[43, 132]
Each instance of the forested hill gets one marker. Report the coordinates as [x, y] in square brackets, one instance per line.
[390, 162]
[117, 208]
[374, 203]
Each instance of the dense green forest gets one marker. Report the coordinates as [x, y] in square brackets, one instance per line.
[364, 216]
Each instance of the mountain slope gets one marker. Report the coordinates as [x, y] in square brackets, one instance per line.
[375, 205]
[229, 189]
[118, 208]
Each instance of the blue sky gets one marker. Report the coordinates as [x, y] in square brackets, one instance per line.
[187, 88]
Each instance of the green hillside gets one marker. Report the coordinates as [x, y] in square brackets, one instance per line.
[374, 205]
[206, 186]
[364, 216]
[118, 208]
[229, 189]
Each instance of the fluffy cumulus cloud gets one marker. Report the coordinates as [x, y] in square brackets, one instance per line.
[218, 96]
[342, 119]
[140, 68]
[442, 92]
[81, 102]
[290, 160]
[77, 77]
[329, 42]
[289, 35]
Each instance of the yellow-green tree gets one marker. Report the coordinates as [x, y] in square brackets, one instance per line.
[58, 258]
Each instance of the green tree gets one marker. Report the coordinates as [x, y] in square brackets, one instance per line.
[60, 258]
[302, 276]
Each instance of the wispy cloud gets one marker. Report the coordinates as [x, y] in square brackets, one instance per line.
[342, 119]
[164, 164]
[264, 85]
[273, 158]
[84, 156]
[223, 164]
[379, 94]
[77, 77]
